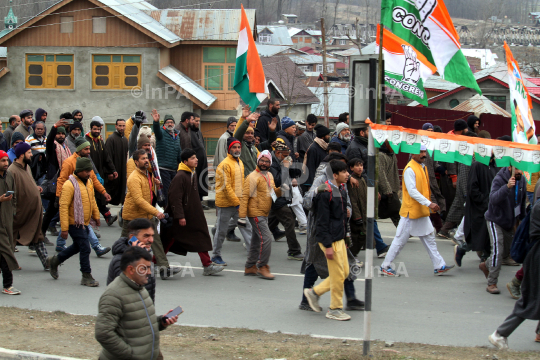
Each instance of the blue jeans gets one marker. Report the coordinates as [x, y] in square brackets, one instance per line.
[530, 196]
[80, 246]
[92, 238]
[379, 243]
[55, 220]
[311, 276]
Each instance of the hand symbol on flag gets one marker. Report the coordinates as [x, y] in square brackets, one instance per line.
[411, 71]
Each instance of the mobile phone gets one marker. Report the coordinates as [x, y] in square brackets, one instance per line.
[71, 121]
[173, 313]
[9, 193]
[132, 240]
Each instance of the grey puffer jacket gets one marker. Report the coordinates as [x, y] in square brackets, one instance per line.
[127, 326]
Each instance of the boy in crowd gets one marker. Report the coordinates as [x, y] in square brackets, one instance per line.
[358, 196]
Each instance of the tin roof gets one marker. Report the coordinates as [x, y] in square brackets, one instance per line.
[205, 24]
[338, 101]
[3, 52]
[280, 34]
[479, 104]
[269, 50]
[349, 52]
[188, 87]
[311, 59]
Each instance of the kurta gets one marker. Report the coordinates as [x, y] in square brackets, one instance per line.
[117, 147]
[221, 148]
[184, 203]
[100, 157]
[197, 144]
[29, 215]
[421, 226]
[479, 187]
[455, 214]
[7, 211]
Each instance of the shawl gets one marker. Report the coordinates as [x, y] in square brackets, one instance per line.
[95, 140]
[78, 211]
[62, 153]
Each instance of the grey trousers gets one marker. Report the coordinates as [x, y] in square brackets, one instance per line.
[511, 323]
[501, 241]
[224, 215]
[261, 242]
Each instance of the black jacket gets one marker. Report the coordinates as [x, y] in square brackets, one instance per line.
[289, 141]
[264, 120]
[315, 155]
[118, 249]
[358, 149]
[331, 216]
[280, 178]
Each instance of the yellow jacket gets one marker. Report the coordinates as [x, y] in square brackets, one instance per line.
[90, 208]
[229, 182]
[256, 199]
[534, 179]
[410, 207]
[138, 199]
[68, 168]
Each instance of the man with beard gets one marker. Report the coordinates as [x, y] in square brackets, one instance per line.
[476, 204]
[16, 138]
[75, 131]
[37, 145]
[389, 179]
[316, 153]
[117, 148]
[343, 136]
[14, 121]
[221, 146]
[29, 215]
[168, 151]
[506, 205]
[57, 152]
[25, 127]
[473, 123]
[197, 144]
[265, 119]
[8, 262]
[287, 135]
[414, 212]
[184, 128]
[358, 146]
[306, 139]
[105, 167]
[77, 115]
[245, 132]
[77, 207]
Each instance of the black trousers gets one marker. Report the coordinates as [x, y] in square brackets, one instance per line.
[286, 217]
[7, 275]
[49, 215]
[166, 178]
[358, 238]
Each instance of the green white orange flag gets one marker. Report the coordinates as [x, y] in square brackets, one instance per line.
[427, 26]
[405, 68]
[249, 80]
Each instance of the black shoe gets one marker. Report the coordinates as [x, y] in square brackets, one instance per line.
[383, 253]
[47, 242]
[355, 304]
[278, 234]
[458, 255]
[205, 207]
[231, 236]
[53, 231]
[111, 219]
[169, 272]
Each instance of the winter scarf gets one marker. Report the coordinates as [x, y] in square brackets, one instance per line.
[62, 153]
[95, 140]
[323, 144]
[78, 211]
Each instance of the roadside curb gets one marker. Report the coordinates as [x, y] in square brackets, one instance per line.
[6, 354]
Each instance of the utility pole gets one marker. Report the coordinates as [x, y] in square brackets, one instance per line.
[325, 82]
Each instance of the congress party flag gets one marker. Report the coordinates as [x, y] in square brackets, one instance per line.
[429, 143]
[249, 80]
[503, 155]
[482, 153]
[394, 139]
[405, 68]
[464, 152]
[379, 136]
[445, 150]
[410, 143]
[427, 26]
[523, 128]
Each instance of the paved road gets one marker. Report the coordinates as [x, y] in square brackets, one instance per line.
[449, 310]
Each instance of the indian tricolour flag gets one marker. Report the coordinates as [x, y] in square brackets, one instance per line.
[249, 80]
[427, 26]
[405, 68]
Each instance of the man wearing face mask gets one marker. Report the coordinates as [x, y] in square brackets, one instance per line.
[266, 118]
[343, 136]
[506, 205]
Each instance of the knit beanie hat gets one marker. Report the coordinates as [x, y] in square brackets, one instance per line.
[460, 125]
[143, 140]
[340, 127]
[61, 130]
[321, 130]
[81, 143]
[280, 146]
[21, 148]
[301, 125]
[231, 120]
[169, 117]
[3, 153]
[265, 154]
[286, 122]
[231, 141]
[83, 164]
[99, 120]
[427, 126]
[75, 125]
[16, 136]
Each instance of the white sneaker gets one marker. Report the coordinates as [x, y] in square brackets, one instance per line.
[313, 299]
[498, 341]
[212, 269]
[337, 314]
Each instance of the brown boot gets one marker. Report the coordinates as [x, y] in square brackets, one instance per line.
[492, 289]
[537, 338]
[251, 271]
[264, 272]
[484, 269]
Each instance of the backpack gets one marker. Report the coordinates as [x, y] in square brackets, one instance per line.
[522, 243]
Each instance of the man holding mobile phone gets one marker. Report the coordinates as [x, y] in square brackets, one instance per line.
[141, 234]
[8, 262]
[127, 326]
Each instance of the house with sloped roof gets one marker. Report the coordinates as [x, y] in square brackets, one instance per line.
[274, 35]
[303, 37]
[114, 57]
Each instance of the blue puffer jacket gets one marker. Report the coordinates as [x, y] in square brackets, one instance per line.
[167, 147]
[344, 145]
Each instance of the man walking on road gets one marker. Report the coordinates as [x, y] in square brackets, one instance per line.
[117, 148]
[77, 207]
[415, 210]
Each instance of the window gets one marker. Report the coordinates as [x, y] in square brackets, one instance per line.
[307, 40]
[454, 103]
[265, 38]
[99, 25]
[304, 68]
[116, 72]
[217, 62]
[295, 40]
[66, 24]
[499, 100]
[330, 67]
[319, 68]
[342, 42]
[49, 71]
[109, 129]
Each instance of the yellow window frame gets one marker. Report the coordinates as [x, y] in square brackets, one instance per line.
[116, 74]
[49, 74]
